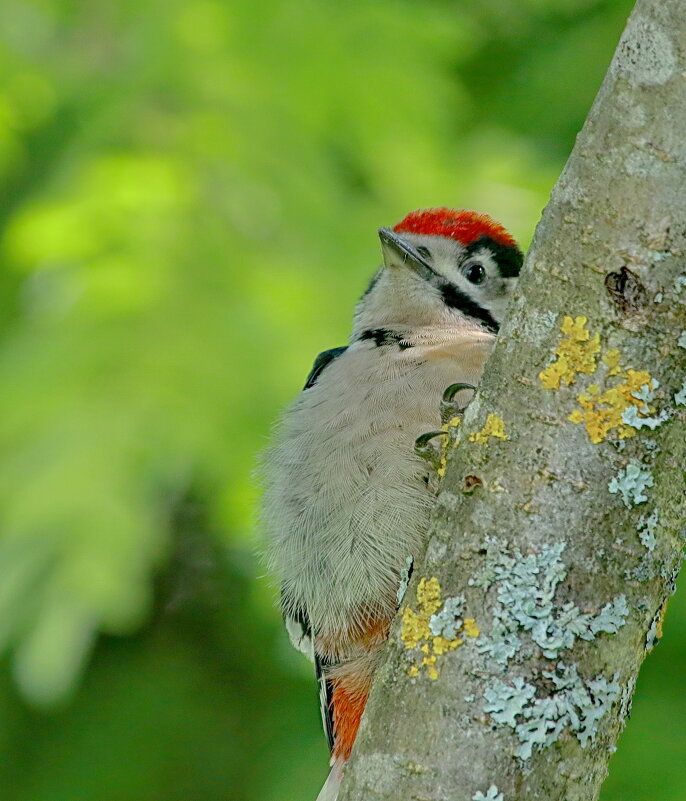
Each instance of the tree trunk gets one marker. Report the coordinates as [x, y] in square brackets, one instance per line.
[559, 526]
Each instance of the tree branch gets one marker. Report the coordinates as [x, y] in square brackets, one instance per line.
[554, 550]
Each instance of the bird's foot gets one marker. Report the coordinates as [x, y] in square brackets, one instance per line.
[450, 407]
[427, 450]
[426, 445]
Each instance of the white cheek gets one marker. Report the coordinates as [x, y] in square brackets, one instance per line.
[499, 305]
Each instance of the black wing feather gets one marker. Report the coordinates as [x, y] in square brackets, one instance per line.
[321, 362]
[325, 696]
[300, 632]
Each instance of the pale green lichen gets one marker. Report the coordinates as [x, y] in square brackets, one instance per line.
[680, 396]
[448, 621]
[526, 587]
[631, 484]
[492, 794]
[646, 570]
[631, 417]
[681, 342]
[648, 567]
[538, 722]
[646, 394]
[506, 702]
[639, 416]
[646, 529]
[610, 618]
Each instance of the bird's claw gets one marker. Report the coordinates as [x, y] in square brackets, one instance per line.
[426, 451]
[453, 389]
[449, 407]
[449, 410]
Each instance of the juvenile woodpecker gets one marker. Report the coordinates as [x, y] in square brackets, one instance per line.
[347, 498]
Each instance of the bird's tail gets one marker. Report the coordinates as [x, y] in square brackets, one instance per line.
[329, 791]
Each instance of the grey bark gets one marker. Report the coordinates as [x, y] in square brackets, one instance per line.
[566, 579]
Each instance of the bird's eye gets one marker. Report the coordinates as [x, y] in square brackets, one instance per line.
[424, 251]
[476, 273]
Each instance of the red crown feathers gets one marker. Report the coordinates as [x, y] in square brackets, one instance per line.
[465, 226]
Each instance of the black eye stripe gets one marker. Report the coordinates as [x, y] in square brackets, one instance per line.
[456, 299]
[423, 251]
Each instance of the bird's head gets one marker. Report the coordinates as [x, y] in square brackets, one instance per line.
[441, 267]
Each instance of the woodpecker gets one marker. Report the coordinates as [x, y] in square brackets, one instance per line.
[347, 497]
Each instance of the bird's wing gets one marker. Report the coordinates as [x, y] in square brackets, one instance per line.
[300, 633]
[325, 358]
[325, 697]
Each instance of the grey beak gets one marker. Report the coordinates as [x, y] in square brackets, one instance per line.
[410, 257]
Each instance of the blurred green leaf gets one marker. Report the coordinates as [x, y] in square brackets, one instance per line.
[191, 190]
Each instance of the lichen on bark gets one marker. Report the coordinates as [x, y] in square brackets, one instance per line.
[528, 719]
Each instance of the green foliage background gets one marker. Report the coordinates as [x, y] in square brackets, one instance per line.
[190, 191]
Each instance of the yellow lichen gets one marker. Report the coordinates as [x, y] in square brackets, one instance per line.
[429, 596]
[442, 645]
[576, 353]
[415, 625]
[416, 634]
[415, 628]
[611, 360]
[450, 427]
[635, 379]
[601, 412]
[429, 662]
[470, 627]
[493, 427]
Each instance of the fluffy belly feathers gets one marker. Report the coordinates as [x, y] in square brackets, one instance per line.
[348, 497]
